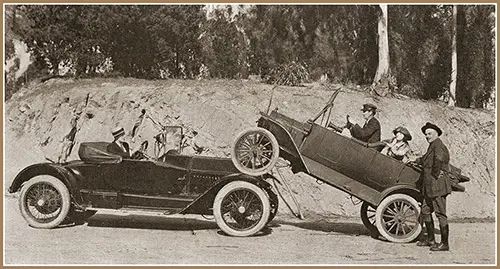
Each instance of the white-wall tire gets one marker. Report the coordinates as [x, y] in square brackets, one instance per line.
[44, 202]
[255, 151]
[241, 209]
[396, 218]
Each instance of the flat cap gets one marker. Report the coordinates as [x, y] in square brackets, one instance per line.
[369, 107]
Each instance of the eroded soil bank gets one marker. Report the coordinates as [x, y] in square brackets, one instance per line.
[39, 117]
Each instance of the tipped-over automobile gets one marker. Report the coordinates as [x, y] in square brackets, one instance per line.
[388, 188]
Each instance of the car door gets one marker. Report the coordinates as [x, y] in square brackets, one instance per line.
[131, 176]
[337, 152]
[384, 171]
[170, 177]
[323, 148]
[345, 156]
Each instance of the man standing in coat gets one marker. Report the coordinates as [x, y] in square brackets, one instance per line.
[435, 187]
[370, 132]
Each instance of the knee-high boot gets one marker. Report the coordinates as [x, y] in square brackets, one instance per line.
[430, 239]
[443, 246]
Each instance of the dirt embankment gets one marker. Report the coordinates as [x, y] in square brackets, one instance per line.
[39, 117]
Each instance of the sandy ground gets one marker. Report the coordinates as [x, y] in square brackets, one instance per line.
[116, 238]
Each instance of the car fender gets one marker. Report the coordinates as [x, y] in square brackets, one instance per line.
[405, 189]
[204, 202]
[52, 169]
[241, 176]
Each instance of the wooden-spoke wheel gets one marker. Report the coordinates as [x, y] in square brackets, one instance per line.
[368, 217]
[255, 151]
[396, 218]
[241, 208]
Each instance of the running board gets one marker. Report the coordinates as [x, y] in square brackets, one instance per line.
[114, 200]
[137, 210]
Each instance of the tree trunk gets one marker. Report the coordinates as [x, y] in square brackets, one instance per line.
[453, 82]
[383, 47]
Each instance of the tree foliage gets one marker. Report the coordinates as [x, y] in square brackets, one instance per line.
[421, 48]
[224, 46]
[475, 49]
[302, 42]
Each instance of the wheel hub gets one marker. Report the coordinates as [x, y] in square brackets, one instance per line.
[40, 202]
[400, 218]
[255, 150]
[241, 209]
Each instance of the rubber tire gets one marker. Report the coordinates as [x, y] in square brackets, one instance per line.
[366, 221]
[378, 218]
[269, 166]
[230, 187]
[65, 197]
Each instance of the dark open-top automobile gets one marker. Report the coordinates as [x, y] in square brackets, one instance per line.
[388, 187]
[168, 183]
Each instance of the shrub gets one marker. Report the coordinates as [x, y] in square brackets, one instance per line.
[293, 74]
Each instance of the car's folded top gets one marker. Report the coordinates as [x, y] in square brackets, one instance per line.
[95, 152]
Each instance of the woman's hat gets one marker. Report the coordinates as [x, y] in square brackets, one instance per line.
[404, 131]
[431, 126]
[118, 132]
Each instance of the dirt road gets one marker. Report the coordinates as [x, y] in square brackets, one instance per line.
[137, 239]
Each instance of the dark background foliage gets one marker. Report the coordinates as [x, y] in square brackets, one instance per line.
[299, 42]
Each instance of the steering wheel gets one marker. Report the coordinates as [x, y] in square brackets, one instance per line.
[140, 153]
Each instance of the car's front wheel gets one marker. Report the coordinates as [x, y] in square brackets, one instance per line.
[255, 151]
[241, 208]
[396, 218]
[44, 202]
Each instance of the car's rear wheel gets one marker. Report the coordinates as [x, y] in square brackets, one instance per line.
[368, 217]
[241, 208]
[255, 151]
[44, 202]
[396, 218]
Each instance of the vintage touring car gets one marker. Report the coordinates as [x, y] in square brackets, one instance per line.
[168, 183]
[388, 187]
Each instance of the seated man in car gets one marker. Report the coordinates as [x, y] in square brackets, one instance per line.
[396, 147]
[122, 148]
[119, 146]
[370, 132]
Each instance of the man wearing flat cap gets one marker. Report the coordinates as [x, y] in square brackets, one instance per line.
[118, 146]
[435, 187]
[370, 132]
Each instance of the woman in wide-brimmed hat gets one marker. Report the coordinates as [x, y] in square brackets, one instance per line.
[396, 147]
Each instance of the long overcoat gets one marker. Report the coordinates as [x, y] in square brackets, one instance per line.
[435, 163]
